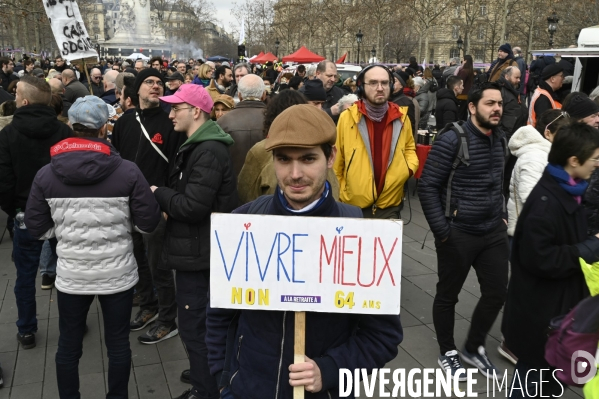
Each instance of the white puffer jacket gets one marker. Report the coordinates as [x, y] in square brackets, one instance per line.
[531, 149]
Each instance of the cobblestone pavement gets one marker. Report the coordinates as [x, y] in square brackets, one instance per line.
[30, 374]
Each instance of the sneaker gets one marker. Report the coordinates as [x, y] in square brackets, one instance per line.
[188, 395]
[505, 352]
[480, 361]
[48, 281]
[451, 362]
[27, 340]
[185, 376]
[142, 319]
[158, 333]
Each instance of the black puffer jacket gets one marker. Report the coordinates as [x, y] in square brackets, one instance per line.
[447, 108]
[591, 203]
[514, 114]
[477, 205]
[201, 182]
[25, 149]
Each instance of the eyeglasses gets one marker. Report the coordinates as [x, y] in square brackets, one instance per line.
[559, 116]
[97, 77]
[177, 109]
[375, 84]
[596, 160]
[151, 83]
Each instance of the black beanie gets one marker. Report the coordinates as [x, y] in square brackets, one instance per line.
[143, 75]
[314, 90]
[401, 80]
[580, 107]
[506, 48]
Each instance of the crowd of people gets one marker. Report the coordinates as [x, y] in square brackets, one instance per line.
[109, 177]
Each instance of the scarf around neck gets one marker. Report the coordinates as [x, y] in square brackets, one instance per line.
[574, 187]
[376, 112]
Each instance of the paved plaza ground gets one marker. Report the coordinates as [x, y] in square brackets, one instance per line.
[31, 374]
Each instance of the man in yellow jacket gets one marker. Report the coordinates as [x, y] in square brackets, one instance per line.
[376, 151]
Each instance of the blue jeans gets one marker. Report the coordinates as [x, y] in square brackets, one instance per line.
[26, 250]
[72, 311]
[48, 258]
[529, 385]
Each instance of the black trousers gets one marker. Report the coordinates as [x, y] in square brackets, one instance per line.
[192, 300]
[147, 249]
[488, 254]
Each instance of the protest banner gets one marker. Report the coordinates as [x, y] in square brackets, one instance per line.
[305, 264]
[333, 265]
[69, 30]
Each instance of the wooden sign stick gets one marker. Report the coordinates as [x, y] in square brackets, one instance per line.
[299, 348]
[91, 91]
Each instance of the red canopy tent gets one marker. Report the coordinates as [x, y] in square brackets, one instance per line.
[266, 57]
[257, 56]
[303, 55]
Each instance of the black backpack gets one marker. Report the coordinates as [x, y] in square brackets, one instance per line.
[463, 157]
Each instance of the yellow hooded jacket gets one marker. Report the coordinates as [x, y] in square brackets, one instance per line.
[354, 168]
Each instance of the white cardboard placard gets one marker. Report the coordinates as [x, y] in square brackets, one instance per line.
[69, 30]
[313, 264]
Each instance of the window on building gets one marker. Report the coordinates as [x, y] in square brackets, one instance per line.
[483, 10]
[346, 2]
[95, 17]
[456, 12]
[478, 55]
[455, 31]
[431, 55]
[454, 53]
[481, 33]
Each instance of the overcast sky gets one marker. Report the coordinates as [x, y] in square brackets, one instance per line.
[223, 14]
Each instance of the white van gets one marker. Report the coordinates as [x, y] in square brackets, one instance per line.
[586, 69]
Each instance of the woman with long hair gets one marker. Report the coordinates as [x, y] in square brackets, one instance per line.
[466, 72]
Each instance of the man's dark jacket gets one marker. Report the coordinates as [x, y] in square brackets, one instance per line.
[404, 101]
[201, 182]
[333, 340]
[447, 108]
[109, 97]
[74, 90]
[132, 144]
[333, 97]
[542, 103]
[245, 124]
[25, 149]
[515, 114]
[546, 281]
[477, 205]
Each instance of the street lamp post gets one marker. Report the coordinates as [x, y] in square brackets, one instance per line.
[359, 37]
[460, 44]
[373, 53]
[277, 43]
[552, 21]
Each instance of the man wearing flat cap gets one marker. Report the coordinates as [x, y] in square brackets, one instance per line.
[544, 97]
[202, 181]
[302, 141]
[146, 137]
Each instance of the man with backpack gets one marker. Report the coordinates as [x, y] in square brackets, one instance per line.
[251, 352]
[460, 192]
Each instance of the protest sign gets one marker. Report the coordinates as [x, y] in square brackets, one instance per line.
[69, 30]
[333, 265]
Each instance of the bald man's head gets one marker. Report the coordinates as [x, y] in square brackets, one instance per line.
[56, 86]
[67, 76]
[110, 79]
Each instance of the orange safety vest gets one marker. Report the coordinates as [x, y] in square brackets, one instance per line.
[532, 116]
